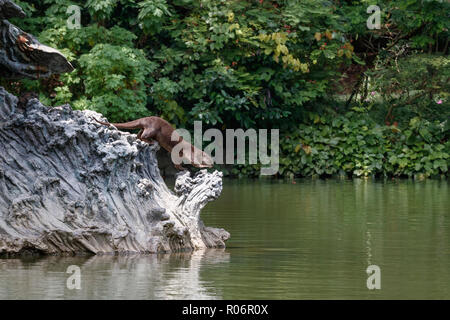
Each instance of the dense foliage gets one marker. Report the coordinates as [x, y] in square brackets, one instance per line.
[347, 99]
[354, 145]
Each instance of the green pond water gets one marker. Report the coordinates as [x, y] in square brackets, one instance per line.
[309, 240]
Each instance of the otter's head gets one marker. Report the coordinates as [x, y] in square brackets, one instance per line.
[203, 160]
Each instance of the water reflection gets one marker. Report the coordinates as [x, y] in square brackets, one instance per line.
[169, 276]
[310, 240]
[317, 238]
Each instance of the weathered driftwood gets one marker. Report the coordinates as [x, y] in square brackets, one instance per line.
[9, 9]
[70, 185]
[21, 55]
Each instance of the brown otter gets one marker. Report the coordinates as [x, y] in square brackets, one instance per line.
[157, 129]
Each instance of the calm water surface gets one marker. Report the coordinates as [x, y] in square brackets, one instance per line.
[309, 240]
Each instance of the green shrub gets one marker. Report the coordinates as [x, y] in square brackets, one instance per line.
[114, 79]
[353, 145]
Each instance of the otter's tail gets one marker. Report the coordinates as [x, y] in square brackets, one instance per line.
[136, 124]
[101, 122]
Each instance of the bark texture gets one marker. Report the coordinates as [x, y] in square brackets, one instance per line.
[69, 185]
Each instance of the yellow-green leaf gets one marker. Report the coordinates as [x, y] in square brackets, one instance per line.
[318, 36]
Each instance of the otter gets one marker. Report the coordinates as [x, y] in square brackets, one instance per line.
[157, 129]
